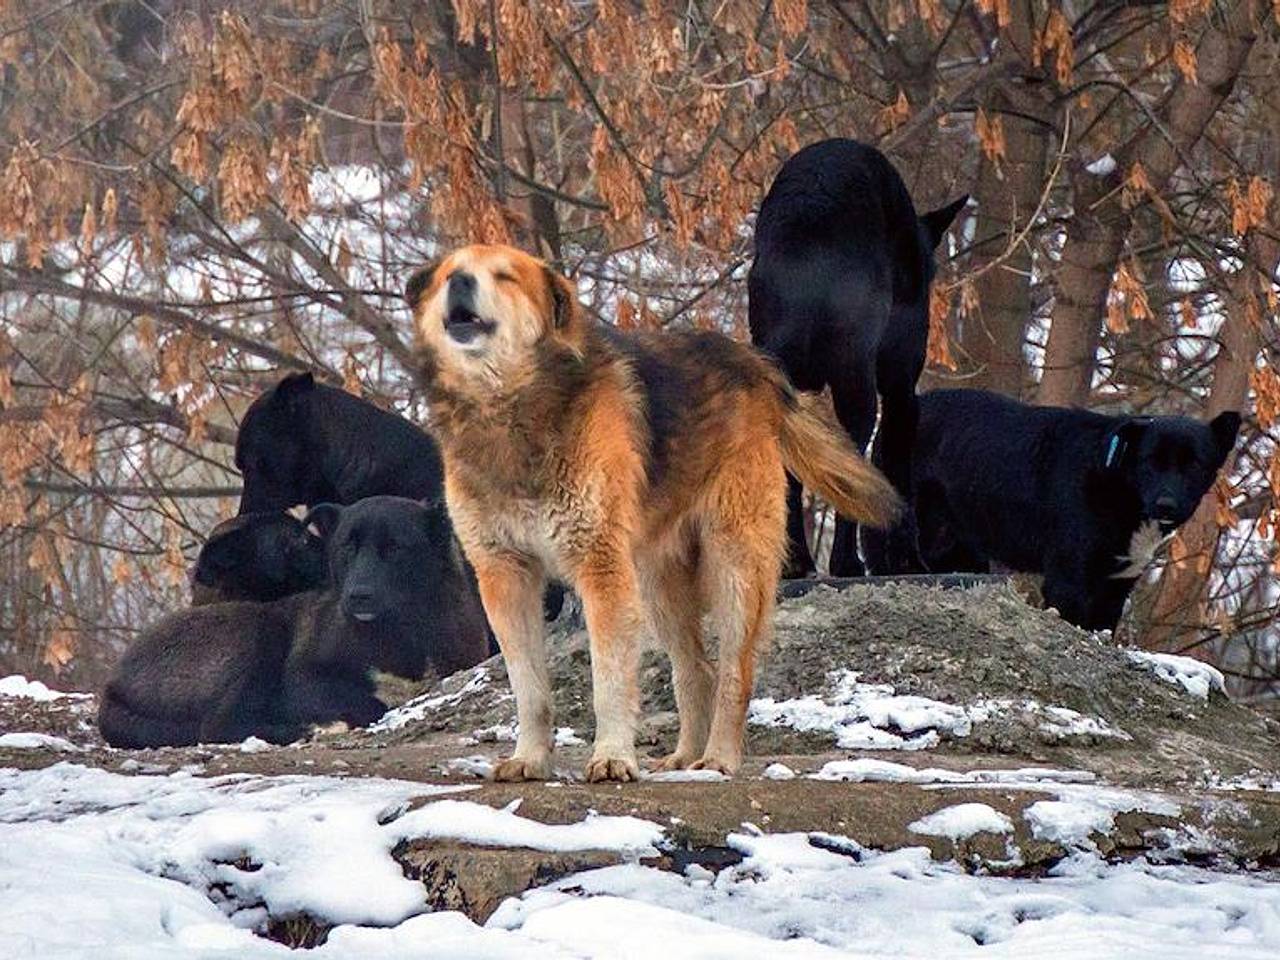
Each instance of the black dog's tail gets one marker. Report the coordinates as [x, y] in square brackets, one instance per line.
[124, 726]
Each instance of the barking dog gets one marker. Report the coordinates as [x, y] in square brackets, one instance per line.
[645, 470]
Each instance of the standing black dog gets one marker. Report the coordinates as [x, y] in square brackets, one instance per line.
[397, 600]
[305, 442]
[1057, 491]
[839, 294]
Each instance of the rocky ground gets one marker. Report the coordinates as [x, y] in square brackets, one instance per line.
[878, 707]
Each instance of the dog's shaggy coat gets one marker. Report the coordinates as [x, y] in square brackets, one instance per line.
[647, 470]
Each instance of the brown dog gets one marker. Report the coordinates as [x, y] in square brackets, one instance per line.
[644, 469]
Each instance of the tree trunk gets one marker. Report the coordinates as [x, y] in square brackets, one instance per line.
[1177, 603]
[993, 340]
[1099, 224]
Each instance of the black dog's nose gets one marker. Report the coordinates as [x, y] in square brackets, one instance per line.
[1166, 508]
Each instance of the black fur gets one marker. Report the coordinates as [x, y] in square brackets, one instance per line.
[1055, 491]
[225, 671]
[305, 442]
[839, 293]
[257, 556]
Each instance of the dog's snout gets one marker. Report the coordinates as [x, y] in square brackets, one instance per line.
[1166, 507]
[462, 286]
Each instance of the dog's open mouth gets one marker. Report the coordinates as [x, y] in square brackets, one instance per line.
[465, 326]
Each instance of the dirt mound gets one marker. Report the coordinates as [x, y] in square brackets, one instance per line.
[1019, 681]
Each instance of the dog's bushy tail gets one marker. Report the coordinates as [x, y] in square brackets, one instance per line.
[823, 457]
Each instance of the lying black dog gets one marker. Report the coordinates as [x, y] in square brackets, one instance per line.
[1056, 491]
[305, 442]
[397, 600]
[839, 294]
[257, 556]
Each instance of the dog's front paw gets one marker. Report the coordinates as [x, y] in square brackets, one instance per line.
[522, 768]
[673, 761]
[621, 769]
[718, 762]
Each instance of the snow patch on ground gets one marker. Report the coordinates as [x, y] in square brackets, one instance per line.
[779, 771]
[96, 864]
[961, 821]
[687, 776]
[419, 707]
[37, 741]
[811, 895]
[867, 769]
[868, 716]
[1194, 676]
[17, 685]
[872, 716]
[1079, 812]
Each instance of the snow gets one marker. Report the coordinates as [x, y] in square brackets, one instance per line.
[37, 741]
[565, 737]
[1104, 166]
[1079, 812]
[483, 825]
[419, 707]
[1194, 676]
[872, 716]
[476, 765]
[97, 864]
[17, 685]
[254, 745]
[961, 821]
[868, 769]
[813, 899]
[687, 776]
[779, 771]
[865, 715]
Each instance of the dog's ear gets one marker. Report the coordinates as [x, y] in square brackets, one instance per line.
[419, 283]
[1224, 428]
[563, 295]
[1121, 439]
[324, 517]
[294, 387]
[937, 221]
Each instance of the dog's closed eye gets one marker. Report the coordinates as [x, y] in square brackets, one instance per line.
[503, 277]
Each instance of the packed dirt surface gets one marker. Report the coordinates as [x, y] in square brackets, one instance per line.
[924, 697]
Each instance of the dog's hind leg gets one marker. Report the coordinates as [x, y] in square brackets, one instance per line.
[895, 550]
[673, 602]
[511, 589]
[799, 560]
[853, 395]
[743, 547]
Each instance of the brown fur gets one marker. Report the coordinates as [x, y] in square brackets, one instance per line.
[647, 470]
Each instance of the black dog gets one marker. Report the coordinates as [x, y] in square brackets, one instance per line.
[305, 442]
[1056, 491]
[257, 556]
[398, 600]
[839, 294]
